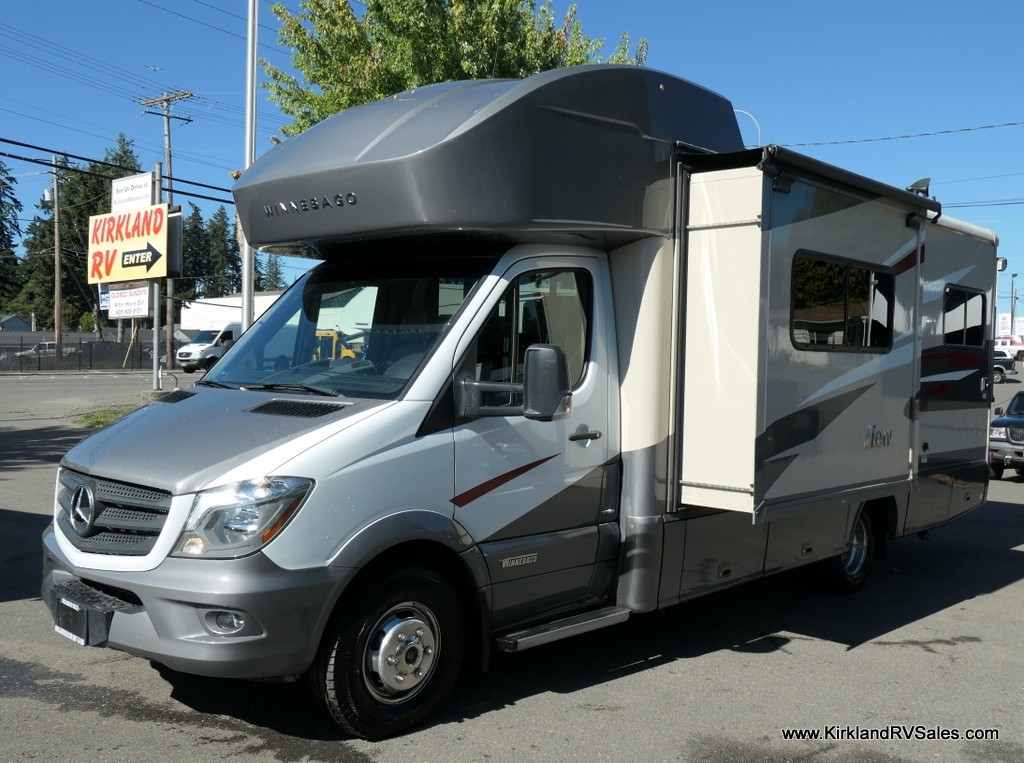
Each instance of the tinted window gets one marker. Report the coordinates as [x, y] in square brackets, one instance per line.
[547, 307]
[839, 305]
[963, 317]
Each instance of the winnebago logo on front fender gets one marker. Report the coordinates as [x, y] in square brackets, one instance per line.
[518, 561]
[312, 204]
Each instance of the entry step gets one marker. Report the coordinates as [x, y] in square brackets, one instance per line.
[564, 628]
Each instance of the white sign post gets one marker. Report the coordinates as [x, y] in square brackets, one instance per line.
[129, 301]
[133, 192]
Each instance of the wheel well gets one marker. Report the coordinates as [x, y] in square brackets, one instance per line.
[445, 562]
[883, 513]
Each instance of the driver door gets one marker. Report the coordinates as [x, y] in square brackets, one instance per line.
[541, 497]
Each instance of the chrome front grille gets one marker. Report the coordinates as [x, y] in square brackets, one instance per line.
[110, 517]
[1016, 434]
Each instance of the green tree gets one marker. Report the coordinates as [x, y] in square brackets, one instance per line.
[10, 232]
[225, 257]
[348, 58]
[273, 276]
[194, 254]
[35, 296]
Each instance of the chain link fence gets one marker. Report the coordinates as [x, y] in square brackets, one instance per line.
[26, 356]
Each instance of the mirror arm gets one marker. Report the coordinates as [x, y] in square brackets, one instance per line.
[469, 400]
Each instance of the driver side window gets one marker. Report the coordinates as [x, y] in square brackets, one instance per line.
[547, 307]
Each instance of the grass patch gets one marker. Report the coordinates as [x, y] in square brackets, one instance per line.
[98, 419]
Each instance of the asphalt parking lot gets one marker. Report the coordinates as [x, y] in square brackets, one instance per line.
[932, 647]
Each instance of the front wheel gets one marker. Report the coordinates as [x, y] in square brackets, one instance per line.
[849, 570]
[998, 375]
[996, 470]
[390, 657]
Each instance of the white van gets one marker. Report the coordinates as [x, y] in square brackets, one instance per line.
[207, 347]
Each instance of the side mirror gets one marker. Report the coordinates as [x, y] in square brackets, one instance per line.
[547, 393]
[998, 412]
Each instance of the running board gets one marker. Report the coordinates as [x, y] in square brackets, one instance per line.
[559, 629]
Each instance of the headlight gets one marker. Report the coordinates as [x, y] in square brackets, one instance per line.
[997, 433]
[239, 519]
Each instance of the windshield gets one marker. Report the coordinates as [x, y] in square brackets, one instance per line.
[357, 329]
[204, 337]
[1016, 406]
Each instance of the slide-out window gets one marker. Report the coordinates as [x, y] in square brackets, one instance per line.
[963, 319]
[840, 305]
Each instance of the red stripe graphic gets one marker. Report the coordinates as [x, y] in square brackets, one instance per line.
[492, 484]
[907, 262]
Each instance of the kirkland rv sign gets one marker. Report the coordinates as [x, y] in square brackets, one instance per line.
[127, 246]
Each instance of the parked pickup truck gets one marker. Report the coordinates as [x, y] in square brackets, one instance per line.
[1003, 363]
[1006, 438]
[1011, 344]
[45, 349]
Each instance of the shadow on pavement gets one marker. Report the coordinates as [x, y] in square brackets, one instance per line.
[21, 448]
[972, 557]
[21, 556]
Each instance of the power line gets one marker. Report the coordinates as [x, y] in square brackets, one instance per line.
[904, 137]
[82, 171]
[209, 26]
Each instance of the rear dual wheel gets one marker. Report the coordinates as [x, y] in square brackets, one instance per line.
[849, 570]
[391, 655]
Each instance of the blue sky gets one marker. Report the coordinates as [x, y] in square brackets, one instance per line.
[842, 82]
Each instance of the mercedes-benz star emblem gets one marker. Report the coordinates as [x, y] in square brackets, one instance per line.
[83, 509]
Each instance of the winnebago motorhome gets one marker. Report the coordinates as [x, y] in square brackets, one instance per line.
[614, 361]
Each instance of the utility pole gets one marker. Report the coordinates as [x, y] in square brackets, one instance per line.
[58, 297]
[248, 255]
[165, 100]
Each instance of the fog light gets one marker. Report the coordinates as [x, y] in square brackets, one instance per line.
[229, 622]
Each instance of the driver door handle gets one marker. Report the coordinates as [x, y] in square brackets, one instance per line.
[592, 434]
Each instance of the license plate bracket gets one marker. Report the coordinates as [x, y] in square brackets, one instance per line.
[79, 621]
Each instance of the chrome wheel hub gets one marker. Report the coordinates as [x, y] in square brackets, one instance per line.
[401, 652]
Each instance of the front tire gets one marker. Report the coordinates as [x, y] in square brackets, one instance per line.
[996, 471]
[390, 657]
[998, 375]
[849, 570]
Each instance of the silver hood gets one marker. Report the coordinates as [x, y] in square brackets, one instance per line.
[186, 439]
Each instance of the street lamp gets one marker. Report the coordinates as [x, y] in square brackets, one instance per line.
[1013, 304]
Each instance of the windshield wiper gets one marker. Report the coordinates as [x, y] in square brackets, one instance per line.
[217, 384]
[292, 387]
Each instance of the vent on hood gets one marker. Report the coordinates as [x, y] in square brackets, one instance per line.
[175, 397]
[298, 408]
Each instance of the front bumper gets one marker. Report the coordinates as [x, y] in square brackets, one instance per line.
[170, 614]
[1006, 454]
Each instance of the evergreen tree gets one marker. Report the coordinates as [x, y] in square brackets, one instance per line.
[10, 231]
[274, 277]
[34, 301]
[195, 260]
[225, 257]
[347, 58]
